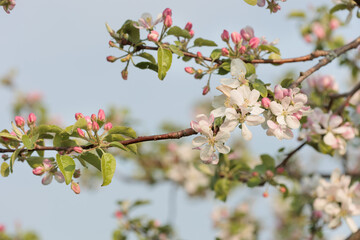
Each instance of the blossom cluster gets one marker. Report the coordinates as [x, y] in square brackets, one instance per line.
[241, 104]
[8, 5]
[331, 128]
[338, 199]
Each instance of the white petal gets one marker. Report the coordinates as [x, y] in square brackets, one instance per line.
[254, 96]
[222, 148]
[292, 122]
[222, 136]
[230, 82]
[330, 139]
[276, 108]
[335, 121]
[199, 141]
[252, 120]
[246, 132]
[206, 152]
[236, 97]
[237, 67]
[229, 125]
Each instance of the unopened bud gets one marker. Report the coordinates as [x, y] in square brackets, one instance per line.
[282, 189]
[124, 74]
[95, 126]
[190, 70]
[269, 174]
[265, 102]
[78, 149]
[168, 21]
[255, 174]
[93, 117]
[242, 49]
[108, 126]
[101, 115]
[199, 55]
[167, 12]
[225, 52]
[109, 29]
[112, 44]
[31, 119]
[5, 157]
[2, 228]
[47, 179]
[125, 59]
[254, 42]
[225, 36]
[191, 33]
[38, 171]
[235, 37]
[206, 89]
[111, 58]
[118, 214]
[19, 121]
[265, 194]
[80, 132]
[78, 116]
[77, 173]
[188, 26]
[59, 177]
[278, 92]
[153, 36]
[334, 24]
[75, 187]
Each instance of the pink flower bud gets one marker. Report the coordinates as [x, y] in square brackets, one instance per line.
[93, 117]
[19, 121]
[225, 52]
[278, 92]
[48, 164]
[190, 70]
[242, 49]
[112, 44]
[77, 173]
[254, 42]
[265, 102]
[269, 173]
[38, 171]
[254, 174]
[261, 3]
[78, 149]
[95, 126]
[108, 126]
[31, 119]
[318, 30]
[78, 116]
[153, 36]
[167, 12]
[168, 21]
[59, 177]
[280, 170]
[265, 194]
[118, 214]
[282, 189]
[111, 58]
[75, 187]
[334, 24]
[247, 33]
[188, 26]
[225, 36]
[235, 37]
[124, 74]
[101, 115]
[88, 123]
[206, 89]
[80, 132]
[191, 33]
[358, 109]
[199, 55]
[2, 228]
[308, 38]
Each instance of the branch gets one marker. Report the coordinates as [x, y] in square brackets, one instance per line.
[286, 160]
[347, 100]
[171, 135]
[326, 60]
[354, 236]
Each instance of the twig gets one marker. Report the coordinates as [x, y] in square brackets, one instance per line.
[347, 100]
[354, 236]
[289, 155]
[326, 60]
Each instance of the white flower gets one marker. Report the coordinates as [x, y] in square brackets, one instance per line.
[147, 22]
[278, 130]
[237, 71]
[284, 112]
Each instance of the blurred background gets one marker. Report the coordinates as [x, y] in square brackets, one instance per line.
[57, 51]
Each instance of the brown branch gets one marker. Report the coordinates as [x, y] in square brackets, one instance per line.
[347, 100]
[326, 60]
[171, 135]
[289, 155]
[354, 236]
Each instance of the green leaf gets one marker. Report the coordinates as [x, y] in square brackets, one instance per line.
[108, 166]
[268, 161]
[16, 130]
[176, 50]
[126, 131]
[35, 161]
[148, 57]
[253, 182]
[67, 166]
[338, 7]
[178, 32]
[226, 66]
[8, 135]
[28, 143]
[250, 69]
[286, 82]
[140, 203]
[164, 62]
[118, 145]
[297, 14]
[42, 129]
[199, 42]
[147, 65]
[260, 86]
[215, 54]
[62, 140]
[251, 2]
[80, 123]
[128, 28]
[92, 159]
[269, 48]
[114, 137]
[132, 148]
[5, 169]
[13, 157]
[222, 188]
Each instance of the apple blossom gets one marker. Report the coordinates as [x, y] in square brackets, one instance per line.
[225, 36]
[188, 26]
[19, 121]
[153, 36]
[146, 21]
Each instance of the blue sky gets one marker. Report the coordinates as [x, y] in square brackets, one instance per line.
[59, 48]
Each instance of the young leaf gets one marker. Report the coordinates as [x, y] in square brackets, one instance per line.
[35, 161]
[253, 182]
[215, 54]
[147, 65]
[67, 166]
[269, 48]
[222, 188]
[132, 32]
[126, 131]
[267, 160]
[338, 7]
[286, 82]
[132, 148]
[251, 2]
[92, 159]
[199, 42]
[148, 57]
[13, 157]
[259, 85]
[164, 62]
[176, 50]
[178, 32]
[118, 145]
[28, 143]
[5, 169]
[108, 166]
